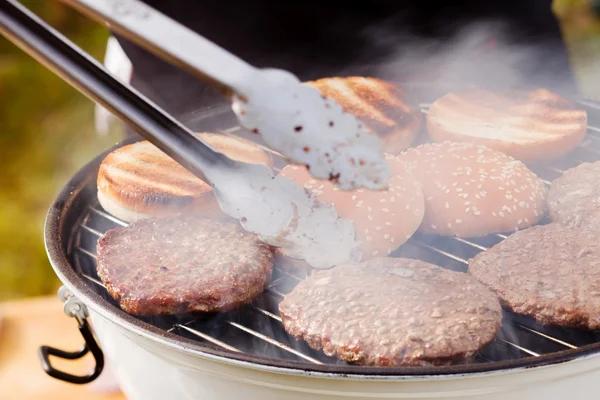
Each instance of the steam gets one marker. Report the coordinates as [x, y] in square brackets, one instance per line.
[484, 54]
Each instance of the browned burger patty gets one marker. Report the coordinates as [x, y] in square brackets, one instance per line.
[182, 264]
[574, 198]
[550, 273]
[392, 312]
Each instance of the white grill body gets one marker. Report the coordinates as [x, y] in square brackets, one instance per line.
[149, 370]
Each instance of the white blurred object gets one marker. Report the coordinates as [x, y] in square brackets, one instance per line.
[106, 383]
[116, 61]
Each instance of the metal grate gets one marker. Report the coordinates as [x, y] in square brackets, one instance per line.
[257, 328]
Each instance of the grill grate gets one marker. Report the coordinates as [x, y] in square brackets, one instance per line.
[257, 328]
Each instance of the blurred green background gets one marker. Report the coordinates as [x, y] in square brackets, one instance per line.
[47, 133]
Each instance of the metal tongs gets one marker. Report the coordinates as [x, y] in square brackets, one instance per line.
[282, 213]
[293, 119]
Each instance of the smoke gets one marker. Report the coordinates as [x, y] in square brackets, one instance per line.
[484, 54]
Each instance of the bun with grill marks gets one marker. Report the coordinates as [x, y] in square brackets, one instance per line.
[383, 107]
[139, 181]
[532, 126]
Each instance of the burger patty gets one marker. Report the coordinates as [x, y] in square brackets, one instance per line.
[182, 264]
[574, 198]
[549, 272]
[392, 312]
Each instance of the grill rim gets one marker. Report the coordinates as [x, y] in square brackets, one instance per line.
[62, 221]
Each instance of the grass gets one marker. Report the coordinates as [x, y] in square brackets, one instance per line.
[46, 135]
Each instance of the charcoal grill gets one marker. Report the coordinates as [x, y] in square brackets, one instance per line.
[252, 338]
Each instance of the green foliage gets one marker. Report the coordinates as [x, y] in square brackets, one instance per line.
[46, 134]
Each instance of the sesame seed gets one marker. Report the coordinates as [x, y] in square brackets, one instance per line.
[494, 214]
[406, 207]
[459, 189]
[393, 240]
[447, 205]
[467, 209]
[386, 236]
[369, 209]
[477, 213]
[388, 223]
[385, 210]
[501, 214]
[353, 197]
[370, 217]
[459, 221]
[369, 238]
[449, 225]
[433, 227]
[366, 231]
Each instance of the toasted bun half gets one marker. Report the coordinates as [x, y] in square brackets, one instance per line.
[532, 126]
[383, 107]
[472, 191]
[139, 181]
[383, 220]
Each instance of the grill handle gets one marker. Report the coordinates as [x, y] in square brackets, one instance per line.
[74, 308]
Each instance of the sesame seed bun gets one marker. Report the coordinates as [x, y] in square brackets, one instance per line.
[383, 219]
[532, 126]
[139, 181]
[383, 107]
[474, 191]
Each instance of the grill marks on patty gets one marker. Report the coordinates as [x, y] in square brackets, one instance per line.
[392, 312]
[182, 264]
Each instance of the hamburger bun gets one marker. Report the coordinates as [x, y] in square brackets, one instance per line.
[383, 220]
[383, 107]
[532, 126]
[474, 191]
[139, 181]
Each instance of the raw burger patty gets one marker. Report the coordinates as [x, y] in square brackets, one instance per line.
[392, 312]
[182, 264]
[550, 273]
[574, 198]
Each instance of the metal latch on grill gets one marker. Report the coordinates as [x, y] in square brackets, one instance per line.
[73, 307]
